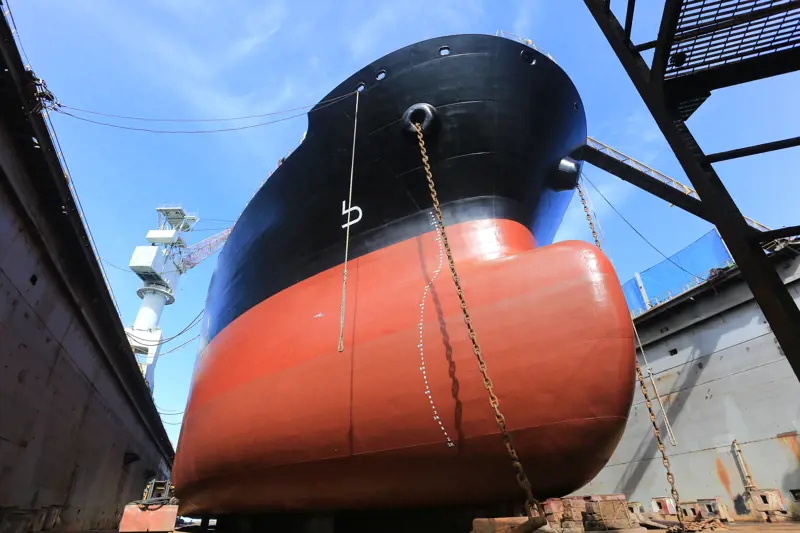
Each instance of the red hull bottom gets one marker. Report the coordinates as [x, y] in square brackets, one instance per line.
[278, 419]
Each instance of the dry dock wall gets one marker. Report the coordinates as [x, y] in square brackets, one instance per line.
[79, 433]
[721, 376]
[65, 428]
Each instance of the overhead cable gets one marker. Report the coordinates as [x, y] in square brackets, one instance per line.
[163, 411]
[228, 119]
[10, 15]
[637, 231]
[176, 132]
[58, 109]
[112, 265]
[179, 347]
[71, 183]
[148, 343]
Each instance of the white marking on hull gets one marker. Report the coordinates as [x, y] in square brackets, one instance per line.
[420, 346]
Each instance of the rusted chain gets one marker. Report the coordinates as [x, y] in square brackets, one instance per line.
[531, 502]
[645, 393]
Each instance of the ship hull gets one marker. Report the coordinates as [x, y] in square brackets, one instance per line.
[502, 127]
[279, 419]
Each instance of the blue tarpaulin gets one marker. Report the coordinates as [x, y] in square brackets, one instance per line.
[682, 271]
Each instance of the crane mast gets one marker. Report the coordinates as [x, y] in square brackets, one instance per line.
[160, 265]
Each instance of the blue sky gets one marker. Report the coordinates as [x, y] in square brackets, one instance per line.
[201, 59]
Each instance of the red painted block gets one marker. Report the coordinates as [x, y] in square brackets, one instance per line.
[136, 519]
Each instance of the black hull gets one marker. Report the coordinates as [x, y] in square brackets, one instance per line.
[503, 126]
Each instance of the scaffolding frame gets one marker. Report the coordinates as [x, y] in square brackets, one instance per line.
[704, 45]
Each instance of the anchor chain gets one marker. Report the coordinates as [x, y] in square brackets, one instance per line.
[522, 479]
[589, 217]
[645, 393]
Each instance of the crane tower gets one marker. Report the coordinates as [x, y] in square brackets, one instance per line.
[160, 266]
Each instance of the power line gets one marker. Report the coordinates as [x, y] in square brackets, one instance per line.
[228, 119]
[218, 130]
[71, 183]
[171, 414]
[149, 344]
[146, 342]
[637, 231]
[112, 265]
[179, 347]
[16, 32]
[163, 411]
[49, 124]
[175, 132]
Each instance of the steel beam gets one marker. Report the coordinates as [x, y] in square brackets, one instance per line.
[769, 291]
[780, 233]
[734, 73]
[753, 150]
[666, 34]
[645, 46]
[647, 183]
[629, 18]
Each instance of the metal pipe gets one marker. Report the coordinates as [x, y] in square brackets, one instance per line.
[748, 479]
[753, 150]
[667, 425]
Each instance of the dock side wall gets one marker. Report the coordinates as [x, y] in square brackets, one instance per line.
[70, 441]
[721, 376]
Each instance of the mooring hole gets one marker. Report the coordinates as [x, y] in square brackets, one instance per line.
[417, 116]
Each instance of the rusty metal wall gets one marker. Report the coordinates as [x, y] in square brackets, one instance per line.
[721, 376]
[65, 425]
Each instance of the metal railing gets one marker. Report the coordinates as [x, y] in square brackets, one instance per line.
[653, 173]
[523, 40]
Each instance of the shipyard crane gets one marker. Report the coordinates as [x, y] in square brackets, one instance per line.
[160, 266]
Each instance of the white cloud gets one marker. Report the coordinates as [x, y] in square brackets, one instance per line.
[190, 11]
[522, 22]
[260, 25]
[528, 13]
[193, 69]
[374, 29]
[397, 24]
[243, 46]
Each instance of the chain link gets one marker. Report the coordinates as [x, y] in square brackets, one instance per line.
[589, 217]
[531, 503]
[645, 393]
